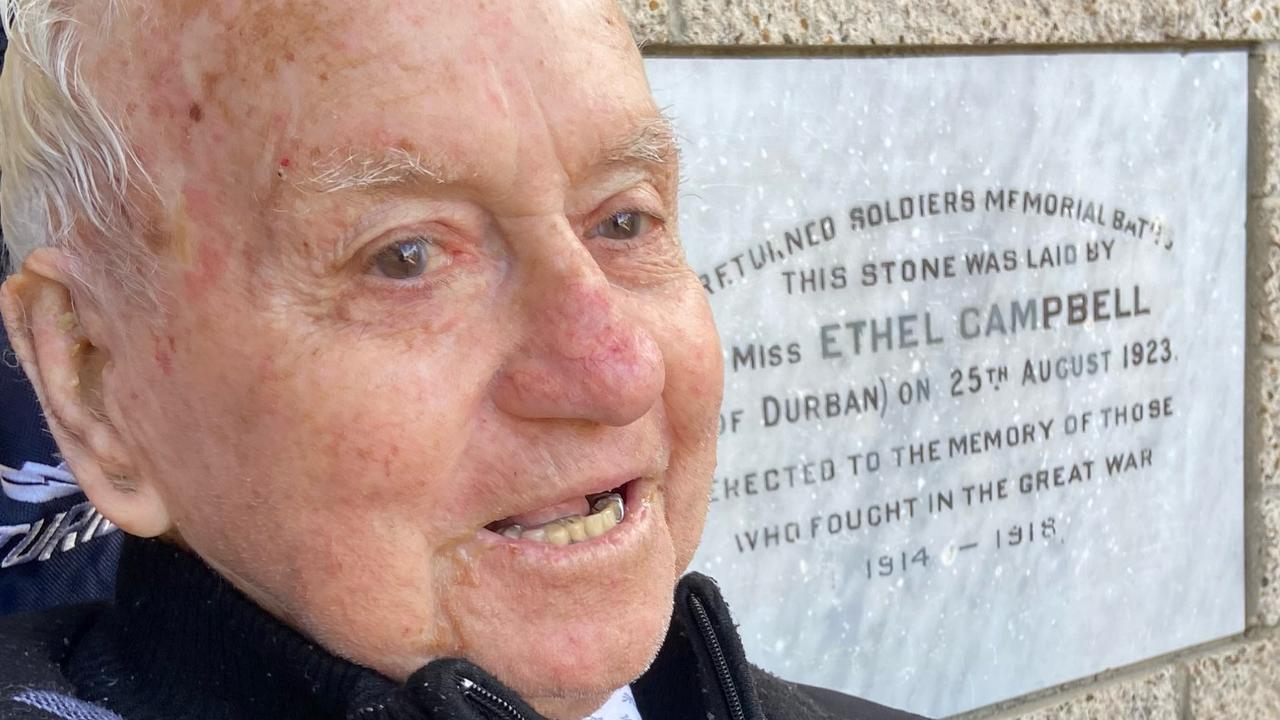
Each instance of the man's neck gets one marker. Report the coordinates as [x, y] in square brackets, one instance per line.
[575, 708]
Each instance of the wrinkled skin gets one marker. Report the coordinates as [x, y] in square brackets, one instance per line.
[334, 440]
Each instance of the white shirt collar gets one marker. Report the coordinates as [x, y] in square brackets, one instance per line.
[620, 706]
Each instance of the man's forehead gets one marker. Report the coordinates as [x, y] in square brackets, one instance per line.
[257, 83]
[439, 111]
[231, 46]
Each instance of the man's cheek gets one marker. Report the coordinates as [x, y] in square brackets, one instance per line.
[695, 393]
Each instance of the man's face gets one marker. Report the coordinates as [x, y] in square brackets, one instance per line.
[423, 281]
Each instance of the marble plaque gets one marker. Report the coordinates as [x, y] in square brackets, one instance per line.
[984, 325]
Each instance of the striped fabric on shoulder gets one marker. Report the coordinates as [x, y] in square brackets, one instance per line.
[62, 706]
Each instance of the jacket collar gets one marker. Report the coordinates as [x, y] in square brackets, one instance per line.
[701, 671]
[182, 642]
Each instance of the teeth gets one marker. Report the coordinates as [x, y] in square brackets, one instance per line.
[609, 519]
[594, 525]
[576, 526]
[607, 512]
[557, 533]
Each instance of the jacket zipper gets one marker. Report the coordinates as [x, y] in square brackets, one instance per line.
[712, 642]
[495, 706]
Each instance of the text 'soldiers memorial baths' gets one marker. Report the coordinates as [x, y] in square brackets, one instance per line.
[983, 324]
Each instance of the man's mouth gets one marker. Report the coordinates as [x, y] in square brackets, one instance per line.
[566, 523]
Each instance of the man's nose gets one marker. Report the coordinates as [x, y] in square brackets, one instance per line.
[582, 356]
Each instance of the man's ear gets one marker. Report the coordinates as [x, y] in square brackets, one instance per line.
[68, 363]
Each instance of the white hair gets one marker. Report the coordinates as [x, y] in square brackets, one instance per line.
[353, 170]
[66, 167]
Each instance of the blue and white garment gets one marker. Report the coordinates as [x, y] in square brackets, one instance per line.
[64, 706]
[36, 483]
[55, 548]
[620, 706]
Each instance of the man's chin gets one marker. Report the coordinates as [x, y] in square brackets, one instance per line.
[550, 638]
[602, 647]
[587, 664]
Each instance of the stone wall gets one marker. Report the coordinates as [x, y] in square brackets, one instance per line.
[1239, 677]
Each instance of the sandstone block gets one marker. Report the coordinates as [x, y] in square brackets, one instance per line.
[1240, 682]
[1264, 131]
[1268, 575]
[1153, 696]
[920, 22]
[649, 20]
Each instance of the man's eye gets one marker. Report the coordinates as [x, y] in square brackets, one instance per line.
[406, 259]
[627, 225]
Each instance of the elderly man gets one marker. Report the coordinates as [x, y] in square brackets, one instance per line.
[368, 322]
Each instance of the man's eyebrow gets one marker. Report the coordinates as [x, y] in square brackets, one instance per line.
[363, 169]
[652, 141]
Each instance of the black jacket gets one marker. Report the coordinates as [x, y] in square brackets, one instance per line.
[181, 644]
